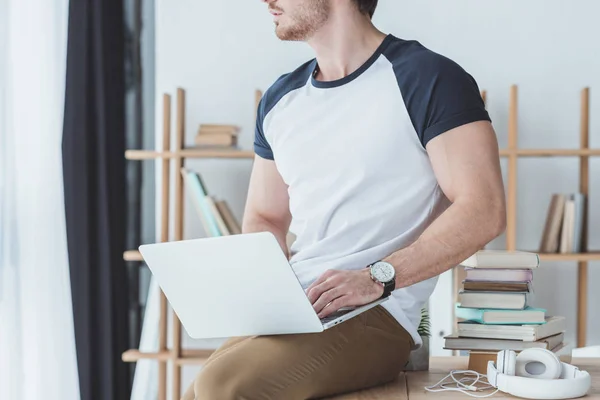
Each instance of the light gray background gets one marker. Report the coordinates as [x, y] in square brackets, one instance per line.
[220, 52]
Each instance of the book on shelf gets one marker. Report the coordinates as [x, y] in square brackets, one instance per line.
[528, 315]
[500, 286]
[504, 259]
[552, 227]
[216, 140]
[215, 215]
[527, 333]
[198, 195]
[218, 128]
[217, 136]
[497, 274]
[566, 234]
[579, 200]
[454, 342]
[232, 224]
[564, 223]
[496, 300]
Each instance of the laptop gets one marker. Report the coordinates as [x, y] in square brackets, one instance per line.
[238, 285]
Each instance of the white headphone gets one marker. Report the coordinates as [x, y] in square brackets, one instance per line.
[537, 374]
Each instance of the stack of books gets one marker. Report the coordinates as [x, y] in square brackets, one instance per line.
[216, 136]
[495, 306]
[564, 224]
[215, 215]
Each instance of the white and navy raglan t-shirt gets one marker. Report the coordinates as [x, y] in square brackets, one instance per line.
[352, 152]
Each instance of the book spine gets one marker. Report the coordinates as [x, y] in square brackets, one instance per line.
[197, 188]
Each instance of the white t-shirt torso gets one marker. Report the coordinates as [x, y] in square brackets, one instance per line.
[352, 153]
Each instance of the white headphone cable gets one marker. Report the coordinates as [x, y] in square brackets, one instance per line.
[464, 385]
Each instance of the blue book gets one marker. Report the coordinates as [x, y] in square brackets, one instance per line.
[527, 316]
[192, 180]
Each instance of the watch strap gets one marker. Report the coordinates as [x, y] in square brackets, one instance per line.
[388, 288]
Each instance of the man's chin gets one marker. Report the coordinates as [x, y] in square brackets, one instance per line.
[289, 35]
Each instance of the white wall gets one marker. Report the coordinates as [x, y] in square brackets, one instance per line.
[221, 51]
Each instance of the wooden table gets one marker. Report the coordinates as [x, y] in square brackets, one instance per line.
[409, 385]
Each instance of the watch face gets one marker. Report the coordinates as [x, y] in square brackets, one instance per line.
[383, 271]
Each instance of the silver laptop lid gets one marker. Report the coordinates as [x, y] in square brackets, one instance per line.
[229, 286]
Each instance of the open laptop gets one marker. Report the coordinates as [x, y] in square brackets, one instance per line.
[239, 285]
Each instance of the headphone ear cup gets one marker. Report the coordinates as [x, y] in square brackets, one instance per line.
[506, 361]
[538, 363]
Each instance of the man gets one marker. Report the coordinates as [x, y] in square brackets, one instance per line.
[377, 152]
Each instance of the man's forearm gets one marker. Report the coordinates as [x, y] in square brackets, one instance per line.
[252, 225]
[459, 232]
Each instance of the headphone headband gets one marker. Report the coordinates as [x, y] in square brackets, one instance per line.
[572, 383]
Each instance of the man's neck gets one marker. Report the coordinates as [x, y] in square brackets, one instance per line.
[344, 44]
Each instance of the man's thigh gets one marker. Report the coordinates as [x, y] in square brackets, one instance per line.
[367, 350]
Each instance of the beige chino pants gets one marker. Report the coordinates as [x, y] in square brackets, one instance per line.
[367, 350]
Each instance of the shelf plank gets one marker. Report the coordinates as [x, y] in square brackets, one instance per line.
[188, 356]
[549, 152]
[249, 154]
[132, 255]
[188, 153]
[134, 355]
[593, 256]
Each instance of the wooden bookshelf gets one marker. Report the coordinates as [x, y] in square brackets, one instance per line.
[174, 157]
[582, 257]
[549, 152]
[513, 153]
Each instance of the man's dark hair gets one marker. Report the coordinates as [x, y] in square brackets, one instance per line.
[366, 7]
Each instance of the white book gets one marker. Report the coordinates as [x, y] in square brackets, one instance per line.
[461, 343]
[566, 234]
[502, 259]
[578, 224]
[527, 333]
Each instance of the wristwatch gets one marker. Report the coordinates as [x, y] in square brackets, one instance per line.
[384, 273]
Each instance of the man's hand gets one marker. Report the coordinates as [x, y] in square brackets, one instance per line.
[336, 289]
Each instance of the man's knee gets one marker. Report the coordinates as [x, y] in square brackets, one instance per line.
[221, 380]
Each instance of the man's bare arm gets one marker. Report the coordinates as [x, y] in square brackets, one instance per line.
[267, 206]
[466, 163]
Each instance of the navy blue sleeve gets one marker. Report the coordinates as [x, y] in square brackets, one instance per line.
[439, 95]
[261, 146]
[283, 86]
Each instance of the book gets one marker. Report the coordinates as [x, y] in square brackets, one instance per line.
[218, 217]
[454, 342]
[502, 259]
[526, 333]
[215, 139]
[566, 236]
[552, 227]
[232, 224]
[497, 274]
[196, 188]
[500, 300]
[500, 286]
[579, 199]
[528, 315]
[218, 128]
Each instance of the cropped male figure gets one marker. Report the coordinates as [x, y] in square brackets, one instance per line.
[378, 153]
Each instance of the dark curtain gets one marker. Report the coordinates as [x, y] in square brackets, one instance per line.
[94, 180]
